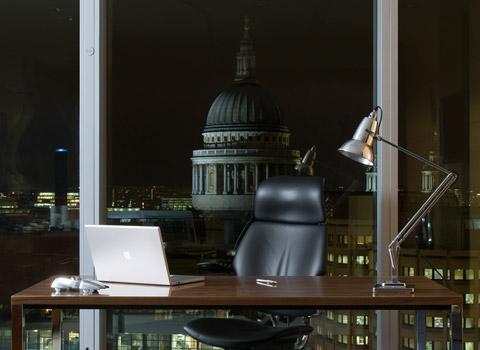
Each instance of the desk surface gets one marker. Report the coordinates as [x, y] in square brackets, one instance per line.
[232, 291]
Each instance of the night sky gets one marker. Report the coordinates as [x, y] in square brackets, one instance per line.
[38, 92]
[167, 62]
[171, 59]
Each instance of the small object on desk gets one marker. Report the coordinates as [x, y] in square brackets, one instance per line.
[389, 288]
[88, 286]
[267, 283]
[84, 285]
[66, 283]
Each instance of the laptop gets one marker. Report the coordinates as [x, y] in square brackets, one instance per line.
[131, 254]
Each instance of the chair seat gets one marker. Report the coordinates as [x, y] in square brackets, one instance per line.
[240, 334]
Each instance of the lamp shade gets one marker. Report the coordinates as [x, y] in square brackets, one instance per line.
[360, 147]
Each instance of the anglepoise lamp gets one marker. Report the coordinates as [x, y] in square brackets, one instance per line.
[359, 148]
[306, 165]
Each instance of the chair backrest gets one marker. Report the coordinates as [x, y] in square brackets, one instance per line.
[288, 236]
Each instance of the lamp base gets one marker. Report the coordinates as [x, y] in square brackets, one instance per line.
[393, 288]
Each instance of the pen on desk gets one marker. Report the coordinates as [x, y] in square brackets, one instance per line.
[268, 283]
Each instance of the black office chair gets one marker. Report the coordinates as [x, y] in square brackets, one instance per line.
[287, 238]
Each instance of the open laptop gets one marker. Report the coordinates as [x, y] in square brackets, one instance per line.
[131, 254]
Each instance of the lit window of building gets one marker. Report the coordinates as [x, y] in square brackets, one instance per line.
[409, 271]
[330, 315]
[469, 298]
[428, 273]
[469, 345]
[409, 319]
[434, 345]
[330, 257]
[438, 322]
[362, 260]
[362, 320]
[342, 239]
[342, 338]
[468, 322]
[342, 319]
[469, 274]
[409, 343]
[458, 275]
[362, 239]
[342, 259]
[362, 340]
[438, 274]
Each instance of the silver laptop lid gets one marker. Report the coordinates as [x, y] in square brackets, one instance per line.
[128, 254]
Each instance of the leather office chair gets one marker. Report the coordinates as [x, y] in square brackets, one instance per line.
[287, 238]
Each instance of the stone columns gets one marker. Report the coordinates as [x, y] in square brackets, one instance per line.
[235, 180]
[224, 179]
[201, 179]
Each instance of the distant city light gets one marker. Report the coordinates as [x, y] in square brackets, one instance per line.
[61, 150]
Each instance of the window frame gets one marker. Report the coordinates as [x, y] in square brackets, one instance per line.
[92, 149]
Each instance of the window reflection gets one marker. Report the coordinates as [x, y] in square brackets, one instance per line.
[436, 120]
[39, 201]
[220, 99]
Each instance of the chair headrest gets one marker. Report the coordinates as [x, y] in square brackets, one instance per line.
[291, 199]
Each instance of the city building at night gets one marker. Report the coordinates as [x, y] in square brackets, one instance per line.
[245, 140]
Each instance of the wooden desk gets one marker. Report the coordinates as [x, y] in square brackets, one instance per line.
[219, 292]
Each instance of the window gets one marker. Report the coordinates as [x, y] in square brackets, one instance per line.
[342, 338]
[458, 275]
[469, 298]
[362, 260]
[39, 155]
[342, 259]
[409, 319]
[438, 274]
[428, 273]
[362, 320]
[361, 340]
[343, 319]
[469, 322]
[436, 94]
[408, 343]
[162, 101]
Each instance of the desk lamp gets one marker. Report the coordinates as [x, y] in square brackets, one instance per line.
[306, 165]
[359, 148]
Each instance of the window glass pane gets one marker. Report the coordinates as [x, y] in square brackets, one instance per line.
[182, 75]
[439, 91]
[39, 203]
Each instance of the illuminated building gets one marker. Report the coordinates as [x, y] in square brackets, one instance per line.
[245, 139]
[47, 200]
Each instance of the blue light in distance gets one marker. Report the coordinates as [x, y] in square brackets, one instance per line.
[61, 150]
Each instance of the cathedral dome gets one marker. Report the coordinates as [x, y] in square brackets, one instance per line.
[245, 106]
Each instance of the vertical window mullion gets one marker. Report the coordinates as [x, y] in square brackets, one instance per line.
[386, 39]
[92, 139]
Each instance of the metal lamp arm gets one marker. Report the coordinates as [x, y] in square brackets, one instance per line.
[394, 246]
